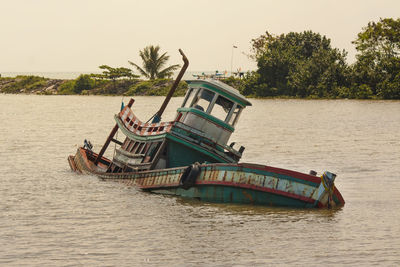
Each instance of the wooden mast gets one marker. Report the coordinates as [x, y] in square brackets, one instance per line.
[157, 116]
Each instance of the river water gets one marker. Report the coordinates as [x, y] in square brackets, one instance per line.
[53, 217]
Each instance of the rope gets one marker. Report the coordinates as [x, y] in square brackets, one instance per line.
[151, 118]
[325, 185]
[329, 188]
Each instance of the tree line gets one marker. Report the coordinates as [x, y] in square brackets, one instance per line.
[111, 80]
[121, 80]
[296, 64]
[305, 65]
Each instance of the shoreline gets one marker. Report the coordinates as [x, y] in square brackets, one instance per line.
[86, 85]
[36, 85]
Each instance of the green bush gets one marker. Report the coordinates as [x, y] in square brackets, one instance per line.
[142, 88]
[364, 92]
[343, 92]
[67, 88]
[83, 82]
[390, 89]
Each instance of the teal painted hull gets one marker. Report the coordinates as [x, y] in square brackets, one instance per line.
[181, 155]
[224, 194]
[225, 183]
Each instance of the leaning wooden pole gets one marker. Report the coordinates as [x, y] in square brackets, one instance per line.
[159, 113]
[110, 137]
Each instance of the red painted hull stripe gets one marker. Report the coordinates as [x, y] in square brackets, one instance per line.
[338, 195]
[253, 187]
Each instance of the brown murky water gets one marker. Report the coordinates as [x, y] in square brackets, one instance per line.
[53, 217]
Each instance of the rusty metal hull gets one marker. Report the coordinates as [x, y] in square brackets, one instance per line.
[228, 183]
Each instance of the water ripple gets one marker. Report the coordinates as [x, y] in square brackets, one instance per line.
[53, 217]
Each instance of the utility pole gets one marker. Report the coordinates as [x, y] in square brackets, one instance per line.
[233, 47]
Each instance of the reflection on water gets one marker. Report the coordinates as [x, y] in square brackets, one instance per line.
[51, 216]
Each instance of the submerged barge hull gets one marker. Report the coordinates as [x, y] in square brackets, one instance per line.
[227, 183]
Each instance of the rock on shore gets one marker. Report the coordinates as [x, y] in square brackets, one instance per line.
[30, 85]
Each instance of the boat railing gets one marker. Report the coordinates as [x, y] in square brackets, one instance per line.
[133, 124]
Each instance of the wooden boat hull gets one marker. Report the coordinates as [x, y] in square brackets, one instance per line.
[220, 182]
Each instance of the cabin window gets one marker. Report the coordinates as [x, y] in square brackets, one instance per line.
[189, 97]
[221, 108]
[235, 115]
[203, 99]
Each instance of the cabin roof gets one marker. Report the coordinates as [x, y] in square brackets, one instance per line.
[220, 86]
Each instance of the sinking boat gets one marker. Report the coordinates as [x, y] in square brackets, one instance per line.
[190, 156]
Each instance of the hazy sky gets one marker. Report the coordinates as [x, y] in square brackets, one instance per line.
[80, 35]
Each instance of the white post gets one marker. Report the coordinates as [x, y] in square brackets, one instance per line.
[233, 46]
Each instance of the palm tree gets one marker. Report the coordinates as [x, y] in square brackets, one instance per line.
[153, 63]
